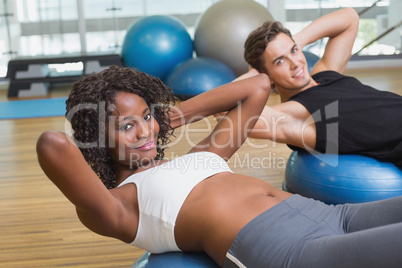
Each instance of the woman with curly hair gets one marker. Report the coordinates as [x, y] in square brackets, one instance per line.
[102, 89]
[122, 120]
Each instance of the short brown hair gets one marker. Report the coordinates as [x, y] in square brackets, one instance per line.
[258, 40]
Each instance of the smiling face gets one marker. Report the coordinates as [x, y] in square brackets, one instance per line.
[286, 65]
[132, 132]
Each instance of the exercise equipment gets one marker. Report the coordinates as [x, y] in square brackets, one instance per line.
[311, 59]
[175, 259]
[220, 32]
[155, 44]
[198, 75]
[32, 77]
[338, 179]
[33, 108]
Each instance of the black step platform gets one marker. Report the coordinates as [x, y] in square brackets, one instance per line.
[31, 77]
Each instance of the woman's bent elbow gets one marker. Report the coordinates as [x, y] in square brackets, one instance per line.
[264, 83]
[50, 141]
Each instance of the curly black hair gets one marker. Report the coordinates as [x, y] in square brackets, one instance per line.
[88, 112]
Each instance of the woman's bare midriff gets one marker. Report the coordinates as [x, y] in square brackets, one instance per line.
[218, 208]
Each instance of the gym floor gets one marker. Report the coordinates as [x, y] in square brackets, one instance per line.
[38, 225]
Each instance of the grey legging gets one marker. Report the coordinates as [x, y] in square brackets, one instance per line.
[301, 232]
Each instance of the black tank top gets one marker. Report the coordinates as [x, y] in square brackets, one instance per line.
[352, 118]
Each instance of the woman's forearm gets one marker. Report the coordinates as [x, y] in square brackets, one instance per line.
[220, 99]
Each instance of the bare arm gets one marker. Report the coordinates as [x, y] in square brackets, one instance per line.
[287, 122]
[65, 166]
[284, 123]
[341, 27]
[251, 72]
[244, 100]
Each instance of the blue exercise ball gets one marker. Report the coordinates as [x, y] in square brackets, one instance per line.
[197, 75]
[175, 259]
[311, 59]
[339, 179]
[156, 44]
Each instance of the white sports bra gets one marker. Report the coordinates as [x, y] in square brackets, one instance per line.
[162, 191]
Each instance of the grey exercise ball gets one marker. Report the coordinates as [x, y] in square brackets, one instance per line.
[221, 31]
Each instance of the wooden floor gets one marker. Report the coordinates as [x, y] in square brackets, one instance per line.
[39, 227]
